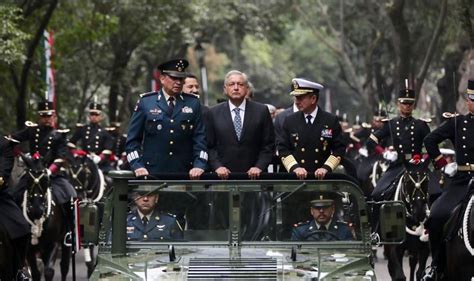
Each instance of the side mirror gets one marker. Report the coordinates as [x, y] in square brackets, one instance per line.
[392, 222]
[89, 223]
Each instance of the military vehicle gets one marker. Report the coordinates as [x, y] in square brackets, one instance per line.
[239, 229]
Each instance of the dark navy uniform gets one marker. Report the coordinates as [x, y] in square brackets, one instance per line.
[50, 144]
[459, 129]
[11, 218]
[92, 138]
[406, 135]
[311, 145]
[119, 140]
[162, 142]
[304, 230]
[160, 226]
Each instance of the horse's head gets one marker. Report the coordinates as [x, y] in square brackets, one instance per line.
[83, 174]
[38, 184]
[415, 191]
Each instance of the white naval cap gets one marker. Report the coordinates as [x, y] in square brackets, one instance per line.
[301, 86]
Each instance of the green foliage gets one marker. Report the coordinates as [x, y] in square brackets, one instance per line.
[12, 38]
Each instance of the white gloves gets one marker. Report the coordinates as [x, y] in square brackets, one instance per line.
[451, 168]
[390, 155]
[364, 152]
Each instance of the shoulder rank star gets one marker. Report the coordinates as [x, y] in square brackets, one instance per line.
[187, 109]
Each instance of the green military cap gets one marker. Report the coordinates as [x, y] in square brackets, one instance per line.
[321, 202]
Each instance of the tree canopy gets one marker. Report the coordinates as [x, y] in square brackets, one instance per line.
[361, 51]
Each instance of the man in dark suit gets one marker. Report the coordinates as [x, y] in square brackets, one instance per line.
[240, 132]
[146, 223]
[324, 226]
[166, 131]
[311, 138]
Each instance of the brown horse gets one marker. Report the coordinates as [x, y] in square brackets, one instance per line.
[413, 191]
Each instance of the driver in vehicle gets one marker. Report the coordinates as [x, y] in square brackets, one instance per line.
[146, 223]
[324, 226]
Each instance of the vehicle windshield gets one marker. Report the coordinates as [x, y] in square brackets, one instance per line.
[244, 211]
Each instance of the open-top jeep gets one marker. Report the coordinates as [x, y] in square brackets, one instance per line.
[240, 229]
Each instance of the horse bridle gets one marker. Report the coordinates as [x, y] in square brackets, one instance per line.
[36, 182]
[417, 188]
[75, 176]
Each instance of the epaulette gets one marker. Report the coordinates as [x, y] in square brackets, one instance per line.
[63, 131]
[301, 223]
[366, 125]
[79, 125]
[30, 124]
[386, 119]
[426, 120]
[147, 94]
[110, 129]
[449, 115]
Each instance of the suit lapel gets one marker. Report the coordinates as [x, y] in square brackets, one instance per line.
[227, 116]
[248, 115]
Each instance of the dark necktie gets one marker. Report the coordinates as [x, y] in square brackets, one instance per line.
[145, 221]
[237, 122]
[171, 105]
[308, 119]
[323, 227]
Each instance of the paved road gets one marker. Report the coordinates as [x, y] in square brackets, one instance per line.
[380, 268]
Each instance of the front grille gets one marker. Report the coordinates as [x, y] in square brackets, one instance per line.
[251, 268]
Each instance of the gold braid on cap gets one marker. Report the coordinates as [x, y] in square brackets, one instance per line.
[374, 138]
[289, 161]
[332, 162]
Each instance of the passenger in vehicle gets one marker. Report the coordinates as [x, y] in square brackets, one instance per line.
[324, 226]
[145, 222]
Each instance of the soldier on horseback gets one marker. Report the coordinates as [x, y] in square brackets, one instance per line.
[49, 143]
[11, 219]
[94, 139]
[460, 130]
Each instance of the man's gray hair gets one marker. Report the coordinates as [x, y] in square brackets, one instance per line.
[236, 72]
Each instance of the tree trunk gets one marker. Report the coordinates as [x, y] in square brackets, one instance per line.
[22, 85]
[401, 43]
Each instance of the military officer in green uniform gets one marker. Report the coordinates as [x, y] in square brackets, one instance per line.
[324, 226]
[146, 223]
[459, 129]
[310, 141]
[166, 132]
